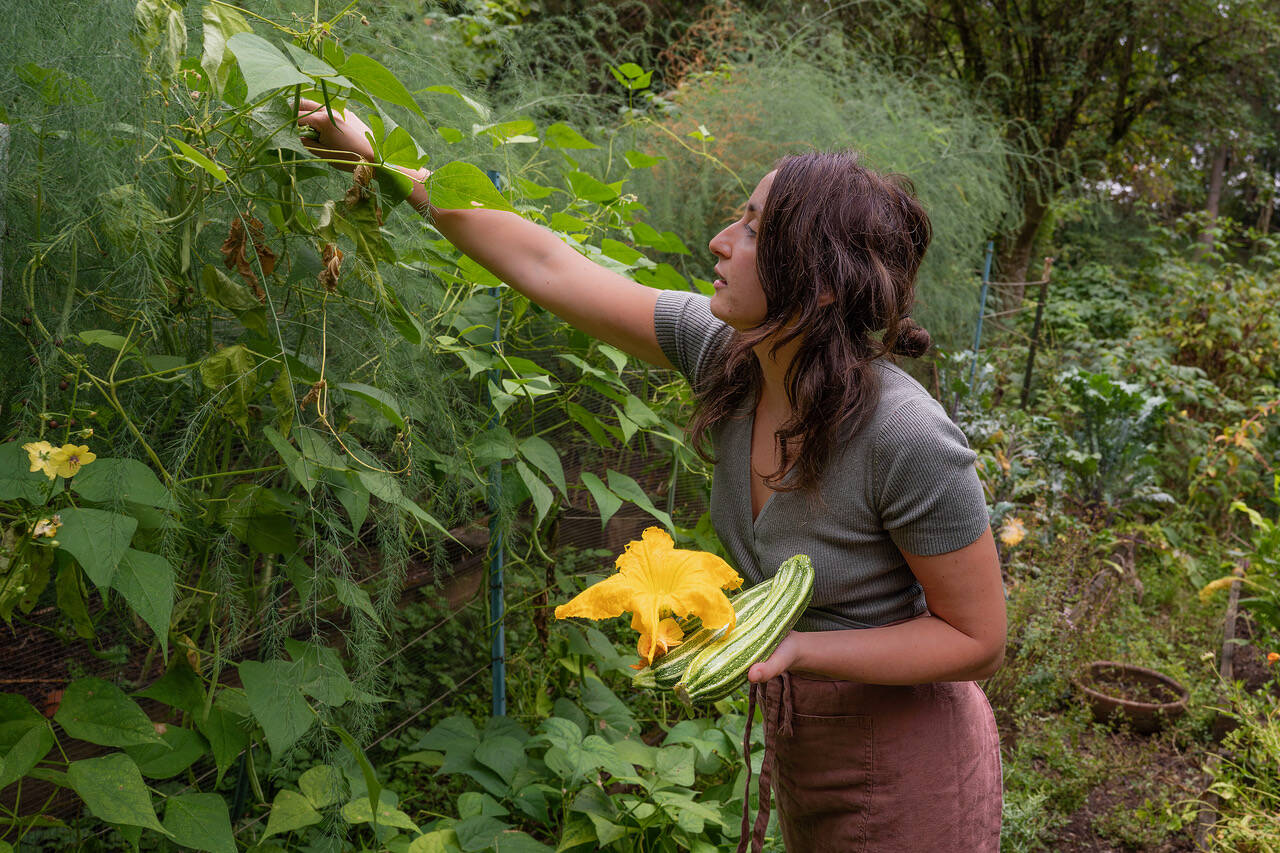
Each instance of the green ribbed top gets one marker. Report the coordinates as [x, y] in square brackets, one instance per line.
[905, 481]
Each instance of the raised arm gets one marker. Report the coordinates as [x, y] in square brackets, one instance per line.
[526, 256]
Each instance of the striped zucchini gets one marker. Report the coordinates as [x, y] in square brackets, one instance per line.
[721, 667]
[667, 670]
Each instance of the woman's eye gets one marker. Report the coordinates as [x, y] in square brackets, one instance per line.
[751, 232]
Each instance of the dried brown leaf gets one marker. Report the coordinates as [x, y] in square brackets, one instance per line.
[235, 253]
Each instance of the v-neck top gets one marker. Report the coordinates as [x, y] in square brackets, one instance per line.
[905, 481]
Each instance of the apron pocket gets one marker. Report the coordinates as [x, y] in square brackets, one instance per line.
[824, 782]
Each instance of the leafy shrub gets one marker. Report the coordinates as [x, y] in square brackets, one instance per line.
[1112, 426]
[1245, 780]
[1222, 321]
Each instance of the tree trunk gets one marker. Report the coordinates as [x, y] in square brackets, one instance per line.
[1264, 218]
[1015, 256]
[1217, 177]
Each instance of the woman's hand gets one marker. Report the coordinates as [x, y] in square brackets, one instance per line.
[961, 637]
[344, 138]
[782, 659]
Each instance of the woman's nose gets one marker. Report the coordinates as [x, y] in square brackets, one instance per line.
[719, 244]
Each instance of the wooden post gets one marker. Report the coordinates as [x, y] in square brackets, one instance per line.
[1035, 331]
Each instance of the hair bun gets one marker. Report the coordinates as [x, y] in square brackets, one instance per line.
[913, 339]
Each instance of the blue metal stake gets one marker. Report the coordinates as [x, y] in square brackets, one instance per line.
[497, 604]
[982, 310]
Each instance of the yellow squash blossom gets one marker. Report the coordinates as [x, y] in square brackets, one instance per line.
[656, 580]
[1013, 532]
[667, 638]
[69, 459]
[40, 454]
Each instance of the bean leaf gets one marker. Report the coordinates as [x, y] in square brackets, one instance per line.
[462, 186]
[539, 452]
[290, 811]
[220, 23]
[322, 785]
[627, 488]
[16, 480]
[112, 480]
[199, 822]
[99, 712]
[25, 738]
[608, 502]
[542, 496]
[276, 703]
[97, 539]
[112, 788]
[562, 136]
[263, 65]
[195, 157]
[146, 582]
[374, 78]
[381, 401]
[181, 748]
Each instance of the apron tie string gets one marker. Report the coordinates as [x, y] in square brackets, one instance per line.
[780, 724]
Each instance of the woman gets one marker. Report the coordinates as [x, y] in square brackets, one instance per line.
[876, 737]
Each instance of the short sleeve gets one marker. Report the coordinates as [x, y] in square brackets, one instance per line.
[688, 333]
[926, 487]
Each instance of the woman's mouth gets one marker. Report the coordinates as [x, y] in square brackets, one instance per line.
[719, 283]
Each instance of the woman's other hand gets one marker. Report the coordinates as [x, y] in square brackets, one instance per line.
[783, 657]
[343, 139]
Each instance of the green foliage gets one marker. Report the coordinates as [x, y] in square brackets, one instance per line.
[266, 396]
[113, 790]
[582, 775]
[1261, 578]
[1220, 321]
[286, 374]
[199, 822]
[769, 88]
[1245, 779]
[1113, 426]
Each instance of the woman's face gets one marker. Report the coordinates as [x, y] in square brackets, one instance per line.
[739, 298]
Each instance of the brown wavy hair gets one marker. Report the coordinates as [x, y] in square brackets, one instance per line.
[837, 255]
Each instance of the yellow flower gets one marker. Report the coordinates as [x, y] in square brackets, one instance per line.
[40, 454]
[667, 638]
[69, 459]
[656, 580]
[1013, 531]
[1213, 586]
[47, 527]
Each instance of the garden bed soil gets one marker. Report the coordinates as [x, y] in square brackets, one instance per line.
[1144, 771]
[1249, 662]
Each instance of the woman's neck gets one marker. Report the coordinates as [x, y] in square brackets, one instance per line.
[773, 369]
